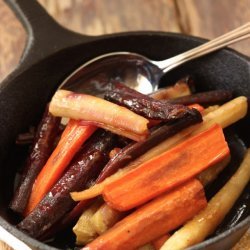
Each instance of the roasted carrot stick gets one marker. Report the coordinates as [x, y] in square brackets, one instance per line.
[69, 144]
[153, 219]
[41, 149]
[204, 98]
[145, 105]
[167, 170]
[94, 110]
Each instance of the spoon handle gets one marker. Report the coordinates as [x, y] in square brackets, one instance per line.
[241, 33]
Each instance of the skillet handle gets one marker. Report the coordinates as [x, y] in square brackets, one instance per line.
[45, 35]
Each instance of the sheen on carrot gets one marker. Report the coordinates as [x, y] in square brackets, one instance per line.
[145, 105]
[41, 149]
[71, 141]
[99, 112]
[167, 170]
[154, 219]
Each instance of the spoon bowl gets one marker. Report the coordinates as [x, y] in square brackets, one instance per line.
[134, 70]
[137, 71]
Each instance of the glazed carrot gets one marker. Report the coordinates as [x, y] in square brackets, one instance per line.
[69, 144]
[145, 105]
[154, 219]
[204, 98]
[42, 147]
[167, 170]
[96, 111]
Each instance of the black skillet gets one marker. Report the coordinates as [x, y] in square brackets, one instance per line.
[53, 52]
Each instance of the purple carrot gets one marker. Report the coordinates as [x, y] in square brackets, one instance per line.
[136, 149]
[42, 147]
[204, 98]
[145, 105]
[84, 169]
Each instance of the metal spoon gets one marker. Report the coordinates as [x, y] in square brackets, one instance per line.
[137, 71]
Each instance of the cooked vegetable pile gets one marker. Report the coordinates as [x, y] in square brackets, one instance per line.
[130, 170]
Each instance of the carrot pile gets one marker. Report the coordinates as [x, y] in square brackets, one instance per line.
[71, 141]
[154, 219]
[167, 170]
[131, 192]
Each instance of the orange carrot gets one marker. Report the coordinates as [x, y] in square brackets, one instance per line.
[70, 125]
[158, 243]
[196, 106]
[167, 170]
[154, 219]
[71, 141]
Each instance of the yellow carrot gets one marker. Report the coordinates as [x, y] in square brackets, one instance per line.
[99, 112]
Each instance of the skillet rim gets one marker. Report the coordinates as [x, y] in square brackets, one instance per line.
[24, 66]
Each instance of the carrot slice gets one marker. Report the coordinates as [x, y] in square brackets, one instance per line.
[153, 219]
[71, 141]
[167, 170]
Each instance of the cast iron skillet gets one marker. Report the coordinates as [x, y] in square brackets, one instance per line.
[53, 52]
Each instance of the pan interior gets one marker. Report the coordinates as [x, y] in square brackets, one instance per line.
[23, 100]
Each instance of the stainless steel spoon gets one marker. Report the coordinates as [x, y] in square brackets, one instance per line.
[137, 71]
